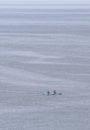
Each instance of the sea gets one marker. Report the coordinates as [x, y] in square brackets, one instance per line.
[44, 47]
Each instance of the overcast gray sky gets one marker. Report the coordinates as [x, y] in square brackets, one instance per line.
[46, 1]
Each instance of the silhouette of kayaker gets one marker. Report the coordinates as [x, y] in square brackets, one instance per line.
[54, 92]
[48, 93]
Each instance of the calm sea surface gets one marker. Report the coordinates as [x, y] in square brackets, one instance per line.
[44, 47]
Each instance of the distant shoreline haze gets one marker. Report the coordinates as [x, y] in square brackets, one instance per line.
[45, 2]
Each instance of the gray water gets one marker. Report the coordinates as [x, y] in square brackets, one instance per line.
[44, 48]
